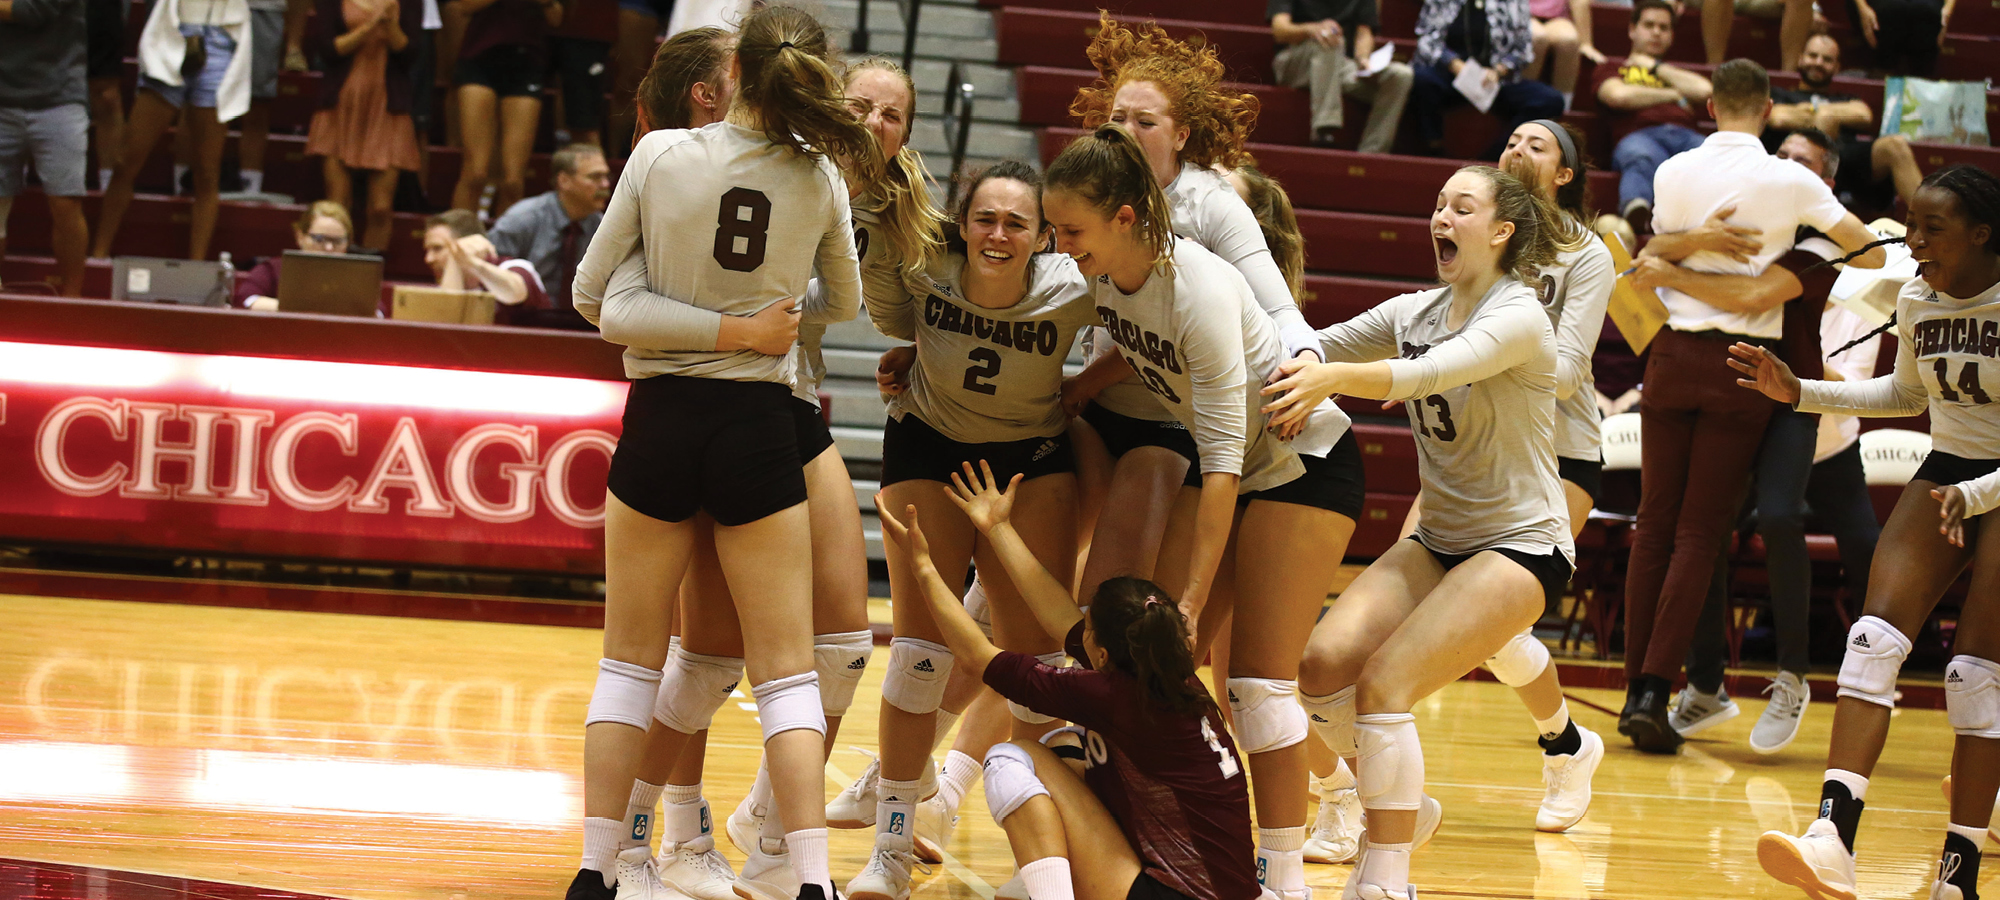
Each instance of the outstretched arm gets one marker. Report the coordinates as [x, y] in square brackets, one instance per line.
[988, 507]
[961, 634]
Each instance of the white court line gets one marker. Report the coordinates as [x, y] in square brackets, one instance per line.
[951, 863]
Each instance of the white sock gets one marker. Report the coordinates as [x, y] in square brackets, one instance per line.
[639, 815]
[600, 846]
[1281, 857]
[1857, 784]
[684, 817]
[1553, 726]
[1387, 865]
[809, 858]
[180, 171]
[895, 813]
[104, 178]
[1342, 778]
[1972, 833]
[945, 719]
[253, 180]
[1048, 879]
[960, 771]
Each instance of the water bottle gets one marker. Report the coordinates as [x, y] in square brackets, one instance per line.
[225, 283]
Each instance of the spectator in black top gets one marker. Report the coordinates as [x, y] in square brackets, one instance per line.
[1870, 174]
[1906, 34]
[44, 120]
[502, 65]
[552, 230]
[1494, 34]
[1322, 47]
[579, 50]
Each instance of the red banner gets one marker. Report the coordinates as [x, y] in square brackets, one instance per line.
[293, 458]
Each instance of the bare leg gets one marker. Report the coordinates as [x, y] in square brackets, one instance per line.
[477, 129]
[1891, 157]
[1543, 696]
[339, 184]
[208, 139]
[518, 117]
[761, 560]
[255, 137]
[381, 208]
[1794, 29]
[1108, 865]
[1093, 481]
[1716, 19]
[107, 118]
[1563, 45]
[151, 114]
[1975, 761]
[631, 57]
[1044, 514]
[1538, 39]
[906, 738]
[70, 235]
[1144, 485]
[642, 556]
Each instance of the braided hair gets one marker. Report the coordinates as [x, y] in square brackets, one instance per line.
[1978, 193]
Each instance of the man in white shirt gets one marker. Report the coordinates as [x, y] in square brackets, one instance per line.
[1687, 498]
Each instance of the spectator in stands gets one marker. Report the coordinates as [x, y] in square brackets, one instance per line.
[363, 120]
[189, 65]
[1795, 24]
[1493, 34]
[552, 230]
[44, 120]
[1561, 28]
[502, 65]
[1322, 47]
[1869, 175]
[639, 24]
[324, 228]
[579, 49]
[1906, 34]
[267, 47]
[1652, 108]
[105, 68]
[462, 258]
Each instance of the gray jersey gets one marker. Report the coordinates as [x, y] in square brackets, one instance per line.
[731, 223]
[1947, 351]
[1575, 292]
[1481, 401]
[985, 375]
[1207, 211]
[1198, 340]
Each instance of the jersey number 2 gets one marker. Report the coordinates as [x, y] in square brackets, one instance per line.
[1444, 430]
[742, 227]
[985, 364]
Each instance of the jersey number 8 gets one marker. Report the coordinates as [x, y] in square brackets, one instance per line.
[742, 228]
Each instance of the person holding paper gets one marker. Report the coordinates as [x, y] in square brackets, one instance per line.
[1474, 51]
[1651, 106]
[1328, 47]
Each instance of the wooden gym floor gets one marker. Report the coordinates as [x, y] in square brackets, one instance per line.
[389, 758]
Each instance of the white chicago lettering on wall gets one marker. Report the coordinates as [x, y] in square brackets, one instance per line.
[311, 461]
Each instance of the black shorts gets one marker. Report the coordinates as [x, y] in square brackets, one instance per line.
[809, 424]
[510, 71]
[1552, 570]
[913, 450]
[1584, 473]
[104, 38]
[1146, 887]
[707, 445]
[1855, 180]
[1332, 483]
[1941, 468]
[580, 65]
[1122, 433]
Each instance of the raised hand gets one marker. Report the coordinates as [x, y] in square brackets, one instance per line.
[1951, 513]
[908, 537]
[1767, 373]
[979, 495]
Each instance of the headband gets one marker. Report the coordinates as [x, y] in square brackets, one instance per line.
[1570, 159]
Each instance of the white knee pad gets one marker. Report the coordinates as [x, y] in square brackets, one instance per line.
[1875, 653]
[1392, 761]
[1268, 715]
[1052, 660]
[694, 688]
[1332, 719]
[977, 606]
[1972, 696]
[1523, 660]
[841, 659]
[1010, 780]
[624, 694]
[790, 704]
[917, 674]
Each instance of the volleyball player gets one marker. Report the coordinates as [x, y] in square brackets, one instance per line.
[1160, 810]
[712, 431]
[1942, 318]
[1476, 364]
[1187, 322]
[992, 329]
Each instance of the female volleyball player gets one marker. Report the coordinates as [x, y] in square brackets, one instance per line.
[712, 431]
[1942, 316]
[1169, 95]
[1476, 362]
[1160, 811]
[992, 328]
[1187, 323]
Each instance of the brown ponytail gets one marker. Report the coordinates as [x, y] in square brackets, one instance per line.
[697, 55]
[1145, 636]
[1280, 224]
[790, 87]
[1108, 170]
[910, 219]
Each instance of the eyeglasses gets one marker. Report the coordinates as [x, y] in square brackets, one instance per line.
[327, 240]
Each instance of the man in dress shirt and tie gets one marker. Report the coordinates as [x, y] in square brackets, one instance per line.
[552, 230]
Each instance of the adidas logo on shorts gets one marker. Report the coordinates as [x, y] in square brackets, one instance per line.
[860, 662]
[1045, 449]
[1318, 718]
[731, 689]
[924, 666]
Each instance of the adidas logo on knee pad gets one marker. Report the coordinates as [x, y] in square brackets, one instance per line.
[924, 666]
[1861, 640]
[1951, 677]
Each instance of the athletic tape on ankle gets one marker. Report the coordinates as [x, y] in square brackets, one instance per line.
[918, 670]
[1010, 780]
[624, 694]
[1268, 714]
[1332, 718]
[1523, 660]
[695, 687]
[1053, 660]
[1972, 696]
[841, 659]
[1392, 761]
[1875, 654]
[790, 704]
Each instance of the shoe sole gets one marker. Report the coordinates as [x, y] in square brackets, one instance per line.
[850, 823]
[1781, 860]
[1708, 721]
[1328, 859]
[742, 844]
[1594, 764]
[748, 893]
[872, 895]
[1649, 739]
[1787, 742]
[927, 850]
